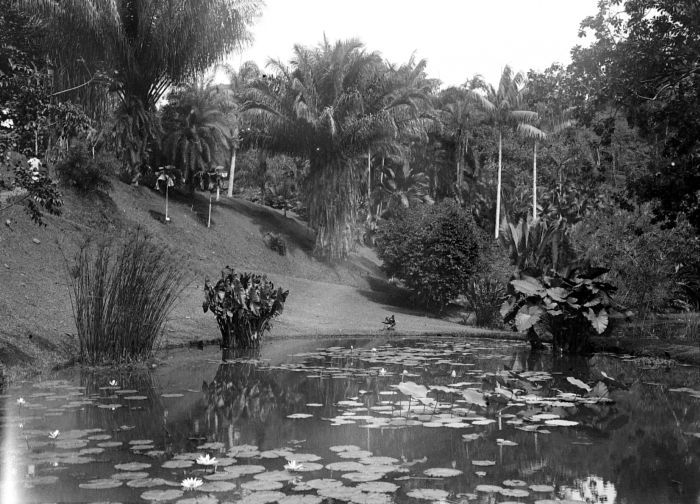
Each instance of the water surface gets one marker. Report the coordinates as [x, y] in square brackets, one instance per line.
[500, 425]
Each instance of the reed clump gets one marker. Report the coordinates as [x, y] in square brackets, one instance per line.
[122, 291]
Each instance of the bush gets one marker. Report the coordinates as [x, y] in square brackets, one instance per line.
[86, 173]
[434, 249]
[276, 243]
[244, 305]
[654, 264]
[121, 294]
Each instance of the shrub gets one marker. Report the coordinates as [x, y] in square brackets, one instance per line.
[85, 172]
[652, 262]
[484, 296]
[276, 243]
[570, 307]
[244, 305]
[121, 294]
[434, 249]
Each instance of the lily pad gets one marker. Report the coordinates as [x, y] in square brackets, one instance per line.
[217, 486]
[132, 466]
[258, 485]
[177, 464]
[101, 484]
[541, 488]
[301, 499]
[483, 463]
[441, 472]
[261, 498]
[362, 476]
[431, 494]
[488, 488]
[146, 482]
[161, 495]
[129, 475]
[378, 487]
[319, 484]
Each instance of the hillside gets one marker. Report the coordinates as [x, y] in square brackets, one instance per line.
[35, 312]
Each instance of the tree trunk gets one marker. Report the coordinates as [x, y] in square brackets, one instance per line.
[369, 180]
[232, 171]
[498, 188]
[534, 184]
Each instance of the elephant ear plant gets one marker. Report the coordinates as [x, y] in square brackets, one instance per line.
[244, 305]
[570, 307]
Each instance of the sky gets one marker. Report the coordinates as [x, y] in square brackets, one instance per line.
[458, 38]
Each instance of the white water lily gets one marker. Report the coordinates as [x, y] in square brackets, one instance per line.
[453, 374]
[382, 371]
[293, 465]
[207, 460]
[21, 401]
[191, 483]
[112, 383]
[54, 434]
[7, 123]
[34, 163]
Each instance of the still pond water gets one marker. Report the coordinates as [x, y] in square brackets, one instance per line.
[367, 421]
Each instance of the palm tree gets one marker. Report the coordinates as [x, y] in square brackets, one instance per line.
[550, 123]
[239, 80]
[502, 108]
[316, 109]
[141, 48]
[197, 130]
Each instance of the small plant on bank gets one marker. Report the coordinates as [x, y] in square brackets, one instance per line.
[276, 243]
[244, 305]
[484, 297]
[570, 308]
[121, 293]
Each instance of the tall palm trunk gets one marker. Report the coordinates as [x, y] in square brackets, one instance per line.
[369, 181]
[534, 184]
[231, 173]
[498, 189]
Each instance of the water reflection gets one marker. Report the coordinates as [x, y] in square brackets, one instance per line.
[640, 447]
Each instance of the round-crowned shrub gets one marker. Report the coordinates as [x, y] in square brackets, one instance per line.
[434, 249]
[83, 171]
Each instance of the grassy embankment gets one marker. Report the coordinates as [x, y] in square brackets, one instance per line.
[35, 310]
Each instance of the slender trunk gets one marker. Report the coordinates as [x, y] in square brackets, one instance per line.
[498, 188]
[166, 201]
[209, 219]
[369, 181]
[231, 173]
[534, 184]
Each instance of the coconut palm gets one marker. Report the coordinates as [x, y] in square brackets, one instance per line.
[316, 109]
[141, 47]
[503, 110]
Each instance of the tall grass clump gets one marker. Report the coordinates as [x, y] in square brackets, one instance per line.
[121, 293]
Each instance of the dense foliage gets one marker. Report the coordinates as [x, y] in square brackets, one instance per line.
[570, 307]
[434, 249]
[244, 305]
[84, 171]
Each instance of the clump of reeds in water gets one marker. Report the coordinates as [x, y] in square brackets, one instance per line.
[121, 294]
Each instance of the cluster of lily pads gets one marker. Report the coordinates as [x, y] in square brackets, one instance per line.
[439, 387]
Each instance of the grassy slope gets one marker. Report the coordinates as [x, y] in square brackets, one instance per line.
[35, 313]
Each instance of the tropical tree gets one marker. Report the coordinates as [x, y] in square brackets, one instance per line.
[405, 187]
[196, 131]
[503, 109]
[315, 109]
[141, 49]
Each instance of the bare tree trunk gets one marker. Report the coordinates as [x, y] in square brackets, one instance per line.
[534, 184]
[369, 181]
[498, 188]
[231, 173]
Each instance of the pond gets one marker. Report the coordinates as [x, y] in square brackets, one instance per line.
[358, 420]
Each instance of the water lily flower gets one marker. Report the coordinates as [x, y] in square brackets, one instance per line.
[382, 371]
[54, 434]
[453, 374]
[34, 163]
[374, 349]
[207, 460]
[7, 123]
[112, 383]
[293, 465]
[191, 483]
[21, 401]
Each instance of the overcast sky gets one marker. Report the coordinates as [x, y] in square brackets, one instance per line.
[459, 38]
